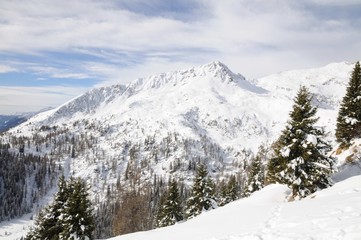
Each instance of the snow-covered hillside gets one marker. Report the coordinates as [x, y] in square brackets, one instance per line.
[327, 84]
[333, 213]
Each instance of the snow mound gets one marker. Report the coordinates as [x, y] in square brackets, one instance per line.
[333, 213]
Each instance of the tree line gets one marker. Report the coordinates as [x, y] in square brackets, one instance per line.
[24, 179]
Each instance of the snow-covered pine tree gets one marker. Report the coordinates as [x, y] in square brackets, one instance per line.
[349, 116]
[300, 160]
[202, 195]
[170, 210]
[57, 207]
[77, 217]
[48, 224]
[255, 176]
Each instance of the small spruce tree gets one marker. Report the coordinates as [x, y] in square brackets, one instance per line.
[202, 195]
[170, 210]
[300, 160]
[349, 116]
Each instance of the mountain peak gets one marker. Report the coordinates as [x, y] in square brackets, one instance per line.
[215, 66]
[213, 69]
[219, 69]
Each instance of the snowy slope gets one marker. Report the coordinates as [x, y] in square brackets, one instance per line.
[334, 213]
[327, 84]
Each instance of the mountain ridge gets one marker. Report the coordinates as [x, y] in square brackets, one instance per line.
[108, 93]
[189, 94]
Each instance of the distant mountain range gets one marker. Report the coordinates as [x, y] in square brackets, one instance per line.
[10, 121]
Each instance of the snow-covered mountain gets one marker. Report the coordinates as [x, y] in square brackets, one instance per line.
[225, 115]
[164, 125]
[207, 100]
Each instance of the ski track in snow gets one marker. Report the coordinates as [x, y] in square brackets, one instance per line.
[266, 232]
[272, 222]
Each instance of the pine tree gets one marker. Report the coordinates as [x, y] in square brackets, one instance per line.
[202, 195]
[255, 177]
[78, 219]
[349, 116]
[69, 216]
[170, 210]
[300, 160]
[56, 209]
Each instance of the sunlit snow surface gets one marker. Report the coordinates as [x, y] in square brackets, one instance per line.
[334, 213]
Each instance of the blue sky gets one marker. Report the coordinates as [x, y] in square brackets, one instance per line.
[52, 51]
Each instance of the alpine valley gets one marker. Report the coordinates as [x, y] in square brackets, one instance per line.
[160, 127]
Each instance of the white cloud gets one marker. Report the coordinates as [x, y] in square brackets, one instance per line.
[28, 99]
[335, 2]
[56, 72]
[7, 69]
[254, 37]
